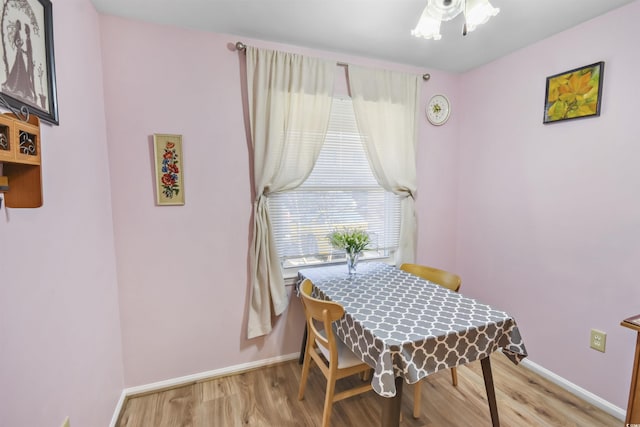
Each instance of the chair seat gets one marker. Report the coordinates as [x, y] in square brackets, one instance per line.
[346, 357]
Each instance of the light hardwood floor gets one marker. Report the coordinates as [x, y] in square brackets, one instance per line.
[267, 397]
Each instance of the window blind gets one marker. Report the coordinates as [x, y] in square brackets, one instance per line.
[341, 191]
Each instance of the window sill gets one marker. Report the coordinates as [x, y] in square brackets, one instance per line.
[291, 274]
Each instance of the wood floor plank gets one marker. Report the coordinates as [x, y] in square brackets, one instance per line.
[268, 398]
[138, 410]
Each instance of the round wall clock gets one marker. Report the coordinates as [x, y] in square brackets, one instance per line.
[438, 109]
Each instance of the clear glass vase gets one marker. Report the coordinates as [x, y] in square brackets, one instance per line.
[352, 262]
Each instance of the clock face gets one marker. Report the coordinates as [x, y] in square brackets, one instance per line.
[438, 110]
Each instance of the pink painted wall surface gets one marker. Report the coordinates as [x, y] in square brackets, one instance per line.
[60, 343]
[182, 271]
[549, 215]
[437, 170]
[546, 223]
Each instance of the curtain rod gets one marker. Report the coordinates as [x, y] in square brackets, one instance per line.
[243, 47]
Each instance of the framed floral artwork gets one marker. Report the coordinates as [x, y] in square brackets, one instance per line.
[574, 94]
[27, 71]
[167, 154]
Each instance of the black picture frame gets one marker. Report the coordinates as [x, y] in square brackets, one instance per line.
[27, 67]
[574, 94]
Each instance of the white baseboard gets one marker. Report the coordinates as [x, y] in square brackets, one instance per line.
[576, 390]
[188, 379]
[116, 413]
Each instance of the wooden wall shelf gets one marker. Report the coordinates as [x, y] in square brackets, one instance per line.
[21, 160]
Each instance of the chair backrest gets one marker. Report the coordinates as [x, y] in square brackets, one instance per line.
[435, 275]
[320, 312]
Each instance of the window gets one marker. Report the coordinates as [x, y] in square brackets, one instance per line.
[340, 192]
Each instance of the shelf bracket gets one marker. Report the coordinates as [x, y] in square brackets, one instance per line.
[22, 113]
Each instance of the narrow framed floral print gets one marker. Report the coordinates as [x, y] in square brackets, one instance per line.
[167, 154]
[574, 94]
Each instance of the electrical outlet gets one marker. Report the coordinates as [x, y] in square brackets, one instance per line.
[66, 423]
[598, 340]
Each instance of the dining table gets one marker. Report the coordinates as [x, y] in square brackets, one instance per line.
[407, 328]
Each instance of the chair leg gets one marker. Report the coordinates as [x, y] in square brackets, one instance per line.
[417, 393]
[306, 364]
[328, 401]
[365, 375]
[417, 399]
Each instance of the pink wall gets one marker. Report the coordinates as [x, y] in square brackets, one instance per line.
[182, 271]
[546, 224]
[60, 344]
[549, 215]
[437, 169]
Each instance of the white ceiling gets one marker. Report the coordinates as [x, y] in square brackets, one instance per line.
[371, 28]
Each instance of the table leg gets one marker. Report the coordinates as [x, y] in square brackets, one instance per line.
[391, 407]
[633, 407]
[491, 393]
[303, 346]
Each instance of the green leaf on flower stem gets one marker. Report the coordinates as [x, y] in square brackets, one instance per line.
[351, 240]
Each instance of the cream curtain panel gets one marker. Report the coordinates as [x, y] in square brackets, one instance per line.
[289, 105]
[385, 105]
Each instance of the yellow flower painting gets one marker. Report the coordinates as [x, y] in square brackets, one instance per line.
[574, 94]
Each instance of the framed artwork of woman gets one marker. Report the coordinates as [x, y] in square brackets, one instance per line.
[27, 70]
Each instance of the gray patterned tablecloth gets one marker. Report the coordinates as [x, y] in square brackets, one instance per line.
[405, 326]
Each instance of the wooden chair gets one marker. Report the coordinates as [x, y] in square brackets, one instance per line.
[335, 360]
[444, 279]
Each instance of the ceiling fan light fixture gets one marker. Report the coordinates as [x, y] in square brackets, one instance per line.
[444, 10]
[478, 12]
[428, 27]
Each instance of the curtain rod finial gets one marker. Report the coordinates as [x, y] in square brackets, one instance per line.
[426, 77]
[240, 46]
